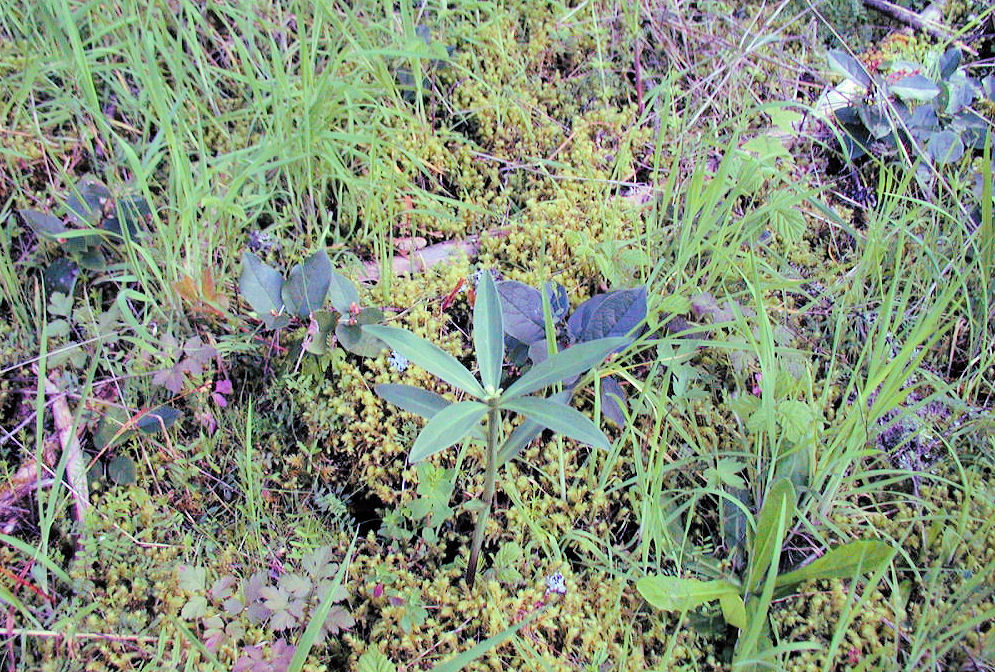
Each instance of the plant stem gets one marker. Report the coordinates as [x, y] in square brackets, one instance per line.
[490, 479]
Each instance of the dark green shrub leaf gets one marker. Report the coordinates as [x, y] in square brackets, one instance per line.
[915, 87]
[521, 308]
[846, 65]
[261, 286]
[949, 62]
[447, 427]
[560, 418]
[353, 338]
[122, 471]
[85, 205]
[44, 225]
[342, 294]
[613, 400]
[305, 289]
[613, 314]
[945, 147]
[60, 276]
[158, 419]
[564, 365]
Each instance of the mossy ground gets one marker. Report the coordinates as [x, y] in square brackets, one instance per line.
[600, 146]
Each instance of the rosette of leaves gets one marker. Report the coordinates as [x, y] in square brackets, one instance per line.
[613, 314]
[481, 417]
[745, 600]
[91, 219]
[302, 295]
[931, 114]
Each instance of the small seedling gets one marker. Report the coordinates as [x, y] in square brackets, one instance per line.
[451, 423]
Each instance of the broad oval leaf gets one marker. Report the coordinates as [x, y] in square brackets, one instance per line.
[560, 418]
[521, 308]
[733, 610]
[342, 294]
[447, 427]
[949, 62]
[613, 314]
[945, 147]
[353, 338]
[158, 419]
[775, 518]
[672, 593]
[428, 356]
[843, 562]
[305, 289]
[261, 286]
[563, 365]
[613, 400]
[48, 226]
[488, 332]
[915, 87]
[846, 65]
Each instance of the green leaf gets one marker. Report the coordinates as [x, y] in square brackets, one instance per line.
[488, 332]
[45, 225]
[846, 65]
[775, 518]
[915, 87]
[457, 663]
[374, 661]
[428, 356]
[945, 147]
[560, 418]
[158, 419]
[353, 338]
[796, 419]
[412, 399]
[448, 426]
[563, 365]
[261, 286]
[672, 593]
[122, 471]
[305, 289]
[342, 294]
[526, 431]
[733, 610]
[843, 562]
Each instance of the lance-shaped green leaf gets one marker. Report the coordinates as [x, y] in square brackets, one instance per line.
[428, 356]
[564, 364]
[843, 562]
[424, 403]
[525, 432]
[488, 332]
[775, 518]
[560, 418]
[447, 427]
[672, 593]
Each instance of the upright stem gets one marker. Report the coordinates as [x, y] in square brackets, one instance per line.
[490, 478]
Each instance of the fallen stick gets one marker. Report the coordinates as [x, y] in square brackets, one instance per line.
[418, 260]
[71, 448]
[928, 21]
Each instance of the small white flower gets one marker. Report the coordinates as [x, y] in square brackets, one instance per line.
[397, 361]
[555, 583]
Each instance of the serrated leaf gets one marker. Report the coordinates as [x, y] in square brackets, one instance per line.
[915, 87]
[672, 593]
[846, 65]
[262, 287]
[613, 314]
[195, 607]
[775, 518]
[843, 562]
[560, 418]
[449, 426]
[795, 418]
[488, 332]
[342, 293]
[428, 356]
[190, 578]
[564, 365]
[374, 661]
[308, 283]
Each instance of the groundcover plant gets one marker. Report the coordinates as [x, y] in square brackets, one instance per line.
[477, 335]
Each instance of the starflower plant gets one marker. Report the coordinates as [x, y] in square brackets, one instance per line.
[481, 416]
